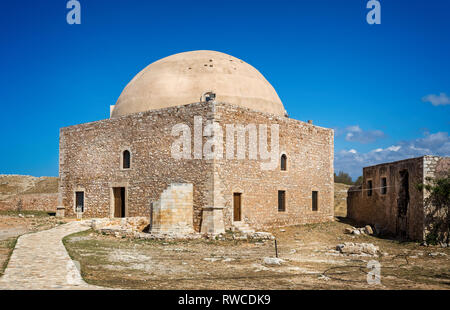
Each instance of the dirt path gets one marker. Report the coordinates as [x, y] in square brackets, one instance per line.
[40, 261]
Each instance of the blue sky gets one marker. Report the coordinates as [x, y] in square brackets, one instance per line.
[384, 88]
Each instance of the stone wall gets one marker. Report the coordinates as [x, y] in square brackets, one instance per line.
[90, 161]
[435, 167]
[309, 150]
[31, 202]
[382, 209]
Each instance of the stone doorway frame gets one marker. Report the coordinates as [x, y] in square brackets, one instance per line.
[112, 200]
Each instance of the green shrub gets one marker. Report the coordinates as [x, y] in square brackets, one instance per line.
[437, 203]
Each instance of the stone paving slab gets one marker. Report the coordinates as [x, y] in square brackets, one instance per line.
[40, 262]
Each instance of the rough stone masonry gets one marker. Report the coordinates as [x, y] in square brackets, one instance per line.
[90, 162]
[120, 167]
[390, 199]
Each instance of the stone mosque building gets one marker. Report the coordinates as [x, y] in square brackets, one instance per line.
[124, 166]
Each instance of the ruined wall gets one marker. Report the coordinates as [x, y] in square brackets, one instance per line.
[172, 213]
[31, 202]
[382, 209]
[309, 151]
[435, 167]
[90, 160]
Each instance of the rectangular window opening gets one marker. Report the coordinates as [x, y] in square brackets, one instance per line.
[369, 186]
[315, 200]
[281, 201]
[383, 186]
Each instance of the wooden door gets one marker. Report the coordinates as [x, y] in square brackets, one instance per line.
[117, 202]
[237, 207]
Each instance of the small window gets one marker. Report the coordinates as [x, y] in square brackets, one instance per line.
[315, 200]
[126, 159]
[281, 201]
[369, 188]
[283, 162]
[383, 186]
[79, 201]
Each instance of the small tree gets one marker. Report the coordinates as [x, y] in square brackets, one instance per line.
[343, 177]
[359, 180]
[437, 204]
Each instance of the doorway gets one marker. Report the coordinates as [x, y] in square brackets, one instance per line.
[119, 201]
[237, 207]
[403, 204]
[79, 202]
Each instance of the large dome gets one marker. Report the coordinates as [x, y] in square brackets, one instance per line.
[183, 78]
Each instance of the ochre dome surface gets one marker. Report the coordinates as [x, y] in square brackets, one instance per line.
[183, 78]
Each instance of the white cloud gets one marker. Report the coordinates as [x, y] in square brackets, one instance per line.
[356, 134]
[435, 100]
[352, 161]
[393, 148]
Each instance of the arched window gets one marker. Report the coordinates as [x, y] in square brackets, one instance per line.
[126, 159]
[283, 162]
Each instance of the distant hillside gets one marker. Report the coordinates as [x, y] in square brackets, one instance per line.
[340, 199]
[11, 185]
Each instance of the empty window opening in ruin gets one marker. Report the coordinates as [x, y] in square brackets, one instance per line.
[403, 193]
[126, 159]
[315, 200]
[281, 201]
[237, 206]
[369, 188]
[283, 163]
[119, 201]
[383, 186]
[79, 202]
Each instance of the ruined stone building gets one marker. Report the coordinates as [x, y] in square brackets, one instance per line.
[390, 199]
[124, 166]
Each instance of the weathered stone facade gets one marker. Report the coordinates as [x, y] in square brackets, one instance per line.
[309, 151]
[172, 213]
[91, 162]
[34, 202]
[400, 210]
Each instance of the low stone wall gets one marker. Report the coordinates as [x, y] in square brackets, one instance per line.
[31, 202]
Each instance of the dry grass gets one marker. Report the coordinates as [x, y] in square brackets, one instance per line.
[11, 185]
[310, 262]
[6, 249]
[43, 186]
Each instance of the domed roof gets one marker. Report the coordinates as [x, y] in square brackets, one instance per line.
[183, 78]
